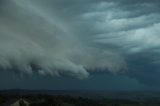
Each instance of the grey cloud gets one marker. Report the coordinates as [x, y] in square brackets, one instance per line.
[76, 38]
[35, 37]
[133, 27]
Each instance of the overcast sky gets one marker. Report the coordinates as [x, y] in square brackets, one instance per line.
[80, 44]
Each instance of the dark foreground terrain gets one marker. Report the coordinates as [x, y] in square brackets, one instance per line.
[32, 98]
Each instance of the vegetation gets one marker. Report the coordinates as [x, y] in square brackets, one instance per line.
[48, 100]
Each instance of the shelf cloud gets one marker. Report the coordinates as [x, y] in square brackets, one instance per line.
[34, 39]
[77, 38]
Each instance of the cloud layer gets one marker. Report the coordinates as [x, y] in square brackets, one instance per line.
[133, 27]
[35, 39]
[76, 38]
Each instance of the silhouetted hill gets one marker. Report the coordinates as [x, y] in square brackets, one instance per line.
[85, 93]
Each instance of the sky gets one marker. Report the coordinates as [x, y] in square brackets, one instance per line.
[80, 44]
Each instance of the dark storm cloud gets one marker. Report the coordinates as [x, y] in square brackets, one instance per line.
[75, 37]
[143, 70]
[133, 26]
[37, 37]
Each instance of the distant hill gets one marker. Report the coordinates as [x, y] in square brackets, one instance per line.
[85, 93]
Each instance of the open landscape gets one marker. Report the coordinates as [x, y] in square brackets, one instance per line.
[79, 52]
[78, 98]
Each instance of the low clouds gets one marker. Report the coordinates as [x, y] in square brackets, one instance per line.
[35, 39]
[132, 27]
[76, 38]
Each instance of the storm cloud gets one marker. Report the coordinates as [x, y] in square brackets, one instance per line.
[76, 38]
[34, 39]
